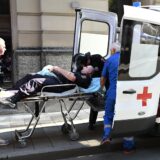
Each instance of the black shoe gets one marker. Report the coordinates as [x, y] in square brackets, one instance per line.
[8, 102]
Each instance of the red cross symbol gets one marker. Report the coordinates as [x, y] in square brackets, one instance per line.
[144, 96]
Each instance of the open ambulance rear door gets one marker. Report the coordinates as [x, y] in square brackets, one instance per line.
[94, 31]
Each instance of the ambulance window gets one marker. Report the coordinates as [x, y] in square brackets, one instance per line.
[144, 50]
[94, 37]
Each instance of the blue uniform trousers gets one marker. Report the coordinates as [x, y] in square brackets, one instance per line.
[108, 117]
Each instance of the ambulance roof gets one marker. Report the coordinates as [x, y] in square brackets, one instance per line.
[141, 14]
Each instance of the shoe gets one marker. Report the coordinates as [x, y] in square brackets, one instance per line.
[8, 102]
[129, 150]
[105, 141]
[3, 142]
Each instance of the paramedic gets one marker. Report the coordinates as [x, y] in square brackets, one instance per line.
[110, 71]
[50, 75]
[3, 142]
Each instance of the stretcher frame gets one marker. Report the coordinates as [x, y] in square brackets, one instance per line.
[68, 128]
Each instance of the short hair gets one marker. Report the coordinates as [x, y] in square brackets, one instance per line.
[2, 41]
[116, 46]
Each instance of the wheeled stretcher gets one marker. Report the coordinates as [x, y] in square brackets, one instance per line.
[76, 94]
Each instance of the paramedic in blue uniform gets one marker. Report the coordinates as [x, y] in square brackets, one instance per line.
[110, 73]
[3, 142]
[50, 75]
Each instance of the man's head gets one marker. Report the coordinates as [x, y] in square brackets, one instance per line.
[88, 70]
[115, 47]
[80, 60]
[2, 47]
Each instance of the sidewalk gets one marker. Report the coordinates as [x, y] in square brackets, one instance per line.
[48, 137]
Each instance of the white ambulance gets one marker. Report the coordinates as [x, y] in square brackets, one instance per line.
[138, 86]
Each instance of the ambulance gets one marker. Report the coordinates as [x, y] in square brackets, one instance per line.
[138, 86]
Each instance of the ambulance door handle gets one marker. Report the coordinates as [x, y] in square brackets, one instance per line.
[130, 91]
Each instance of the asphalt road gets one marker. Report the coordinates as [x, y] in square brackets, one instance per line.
[142, 154]
[148, 148]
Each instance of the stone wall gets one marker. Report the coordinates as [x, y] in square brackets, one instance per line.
[148, 2]
[50, 23]
[157, 2]
[44, 29]
[32, 60]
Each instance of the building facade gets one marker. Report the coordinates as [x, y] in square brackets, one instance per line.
[40, 32]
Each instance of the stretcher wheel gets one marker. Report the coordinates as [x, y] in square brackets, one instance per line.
[73, 136]
[66, 128]
[22, 143]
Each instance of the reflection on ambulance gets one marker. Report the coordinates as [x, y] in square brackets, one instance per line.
[147, 37]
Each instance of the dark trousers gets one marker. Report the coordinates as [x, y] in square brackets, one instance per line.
[33, 83]
[92, 117]
[24, 80]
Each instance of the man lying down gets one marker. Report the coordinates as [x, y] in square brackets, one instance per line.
[49, 75]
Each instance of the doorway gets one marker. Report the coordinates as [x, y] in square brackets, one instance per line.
[5, 33]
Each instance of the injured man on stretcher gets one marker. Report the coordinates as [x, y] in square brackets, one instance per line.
[49, 75]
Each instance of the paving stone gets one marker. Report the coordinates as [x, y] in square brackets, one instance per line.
[47, 136]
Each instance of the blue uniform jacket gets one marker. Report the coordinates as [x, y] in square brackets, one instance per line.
[110, 71]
